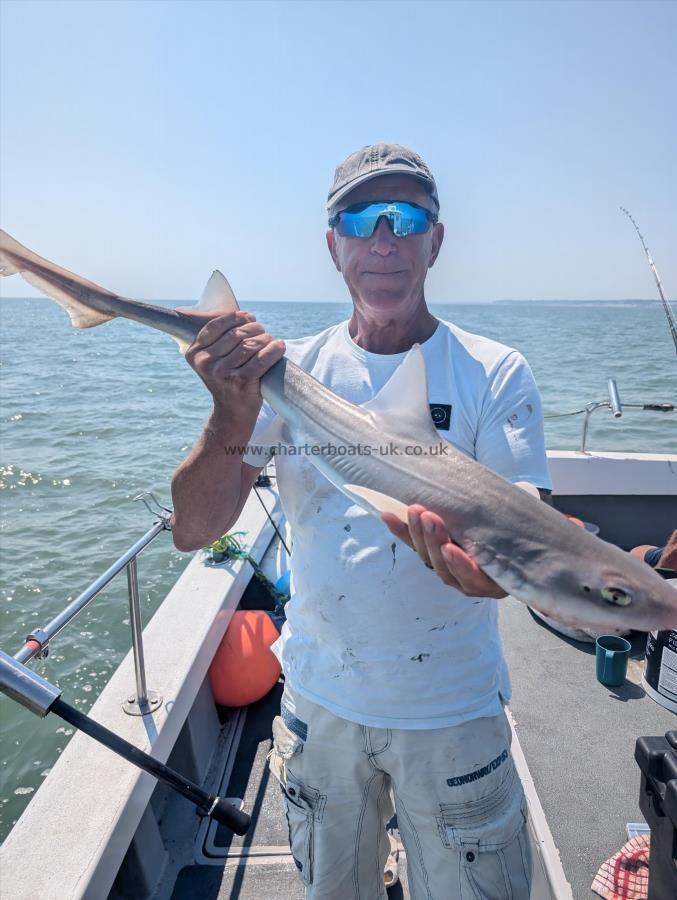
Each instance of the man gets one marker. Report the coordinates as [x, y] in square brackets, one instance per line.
[395, 678]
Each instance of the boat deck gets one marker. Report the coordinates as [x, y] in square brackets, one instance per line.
[563, 718]
[578, 738]
[258, 866]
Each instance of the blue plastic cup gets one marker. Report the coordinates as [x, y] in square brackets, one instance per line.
[612, 653]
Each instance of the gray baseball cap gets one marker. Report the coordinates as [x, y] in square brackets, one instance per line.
[379, 159]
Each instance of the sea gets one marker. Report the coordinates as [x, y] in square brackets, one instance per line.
[90, 419]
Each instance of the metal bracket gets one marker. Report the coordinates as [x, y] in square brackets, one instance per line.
[164, 513]
[263, 479]
[613, 403]
[40, 637]
[133, 708]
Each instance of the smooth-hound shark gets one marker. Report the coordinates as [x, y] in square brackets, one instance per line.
[530, 549]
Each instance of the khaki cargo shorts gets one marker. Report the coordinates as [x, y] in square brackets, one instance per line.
[460, 806]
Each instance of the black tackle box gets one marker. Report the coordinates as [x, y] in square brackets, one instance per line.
[657, 759]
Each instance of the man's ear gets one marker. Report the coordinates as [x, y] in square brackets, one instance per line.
[331, 244]
[438, 237]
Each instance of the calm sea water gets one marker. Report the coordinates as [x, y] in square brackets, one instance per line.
[92, 418]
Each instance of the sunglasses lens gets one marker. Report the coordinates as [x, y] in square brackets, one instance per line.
[403, 218]
[408, 219]
[355, 222]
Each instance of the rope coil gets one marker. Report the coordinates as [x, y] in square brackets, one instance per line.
[230, 546]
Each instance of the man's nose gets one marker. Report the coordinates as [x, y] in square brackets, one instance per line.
[383, 239]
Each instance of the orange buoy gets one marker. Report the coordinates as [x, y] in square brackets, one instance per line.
[244, 667]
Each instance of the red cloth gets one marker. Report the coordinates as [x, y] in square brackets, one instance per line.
[625, 876]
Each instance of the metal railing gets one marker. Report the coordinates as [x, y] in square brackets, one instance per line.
[37, 642]
[613, 403]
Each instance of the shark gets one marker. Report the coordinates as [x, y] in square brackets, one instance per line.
[529, 548]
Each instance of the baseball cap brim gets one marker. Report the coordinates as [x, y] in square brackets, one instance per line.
[334, 200]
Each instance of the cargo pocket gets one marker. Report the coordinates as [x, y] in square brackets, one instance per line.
[304, 806]
[489, 835]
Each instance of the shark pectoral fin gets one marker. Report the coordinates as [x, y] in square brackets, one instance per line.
[404, 397]
[375, 502]
[218, 296]
[529, 488]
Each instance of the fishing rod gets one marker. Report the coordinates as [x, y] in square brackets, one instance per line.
[666, 305]
[39, 696]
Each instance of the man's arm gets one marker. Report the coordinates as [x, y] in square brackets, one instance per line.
[210, 487]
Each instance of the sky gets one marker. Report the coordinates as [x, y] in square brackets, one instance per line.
[143, 144]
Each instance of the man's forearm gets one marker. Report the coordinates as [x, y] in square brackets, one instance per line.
[206, 487]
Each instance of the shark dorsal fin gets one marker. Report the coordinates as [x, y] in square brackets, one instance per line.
[217, 299]
[218, 296]
[404, 397]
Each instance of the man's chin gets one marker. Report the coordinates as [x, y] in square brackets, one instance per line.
[383, 299]
[390, 291]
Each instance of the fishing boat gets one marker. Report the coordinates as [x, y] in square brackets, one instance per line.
[99, 827]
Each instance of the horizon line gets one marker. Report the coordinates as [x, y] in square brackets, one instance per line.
[179, 300]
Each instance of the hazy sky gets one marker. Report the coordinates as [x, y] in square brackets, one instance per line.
[144, 144]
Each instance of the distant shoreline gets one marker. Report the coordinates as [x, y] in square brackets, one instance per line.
[183, 302]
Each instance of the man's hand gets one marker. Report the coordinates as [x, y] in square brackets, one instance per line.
[230, 354]
[428, 536]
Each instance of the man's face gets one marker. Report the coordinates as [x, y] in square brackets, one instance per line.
[384, 271]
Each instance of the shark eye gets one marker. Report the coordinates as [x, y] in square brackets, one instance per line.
[617, 596]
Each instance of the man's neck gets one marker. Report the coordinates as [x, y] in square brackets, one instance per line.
[390, 331]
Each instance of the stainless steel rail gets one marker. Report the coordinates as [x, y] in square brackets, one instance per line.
[614, 404]
[616, 407]
[37, 642]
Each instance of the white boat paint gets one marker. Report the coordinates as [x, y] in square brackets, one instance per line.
[648, 474]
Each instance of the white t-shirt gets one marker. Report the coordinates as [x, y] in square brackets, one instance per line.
[371, 634]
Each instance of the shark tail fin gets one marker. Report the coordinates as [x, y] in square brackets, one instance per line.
[75, 294]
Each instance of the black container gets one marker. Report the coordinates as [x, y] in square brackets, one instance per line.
[660, 673]
[657, 759]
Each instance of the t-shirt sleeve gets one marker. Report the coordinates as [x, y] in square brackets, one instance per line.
[259, 450]
[510, 438]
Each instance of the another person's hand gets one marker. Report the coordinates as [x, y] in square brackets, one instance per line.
[231, 353]
[428, 536]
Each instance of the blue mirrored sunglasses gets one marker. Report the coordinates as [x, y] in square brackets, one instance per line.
[361, 219]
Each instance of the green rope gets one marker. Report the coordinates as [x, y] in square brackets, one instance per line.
[232, 548]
